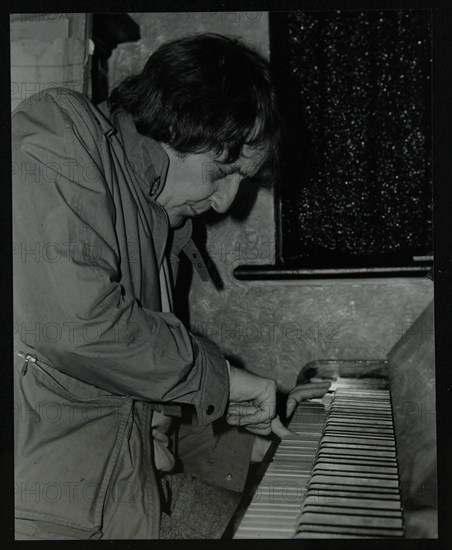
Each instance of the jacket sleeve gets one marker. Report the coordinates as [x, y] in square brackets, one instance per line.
[68, 298]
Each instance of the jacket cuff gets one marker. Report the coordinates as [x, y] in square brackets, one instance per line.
[214, 391]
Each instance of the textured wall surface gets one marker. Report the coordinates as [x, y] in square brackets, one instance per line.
[48, 49]
[275, 328]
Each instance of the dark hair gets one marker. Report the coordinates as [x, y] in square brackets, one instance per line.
[202, 93]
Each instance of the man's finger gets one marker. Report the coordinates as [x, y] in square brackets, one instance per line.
[259, 429]
[245, 420]
[311, 386]
[280, 430]
[309, 390]
[318, 384]
[242, 410]
[303, 392]
[291, 404]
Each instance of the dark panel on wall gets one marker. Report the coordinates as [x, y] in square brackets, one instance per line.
[109, 30]
[355, 90]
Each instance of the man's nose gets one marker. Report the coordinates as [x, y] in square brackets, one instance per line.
[222, 199]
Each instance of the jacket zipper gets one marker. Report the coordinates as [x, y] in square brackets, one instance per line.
[28, 357]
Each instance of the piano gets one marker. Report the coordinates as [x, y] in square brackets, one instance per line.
[362, 461]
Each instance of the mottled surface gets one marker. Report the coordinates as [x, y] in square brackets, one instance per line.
[362, 84]
[412, 377]
[47, 49]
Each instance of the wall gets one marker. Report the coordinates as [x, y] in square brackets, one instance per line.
[274, 328]
[48, 49]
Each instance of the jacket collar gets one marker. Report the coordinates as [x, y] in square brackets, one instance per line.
[148, 159]
[150, 165]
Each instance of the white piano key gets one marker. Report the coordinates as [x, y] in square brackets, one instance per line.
[286, 507]
[349, 531]
[350, 448]
[350, 510]
[320, 535]
[354, 520]
[353, 502]
[378, 469]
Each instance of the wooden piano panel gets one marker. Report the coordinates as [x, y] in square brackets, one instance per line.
[411, 371]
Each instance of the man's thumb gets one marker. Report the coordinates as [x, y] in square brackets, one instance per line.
[291, 404]
[280, 430]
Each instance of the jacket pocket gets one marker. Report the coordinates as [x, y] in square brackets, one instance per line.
[68, 436]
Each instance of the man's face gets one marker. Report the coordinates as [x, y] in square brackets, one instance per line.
[197, 182]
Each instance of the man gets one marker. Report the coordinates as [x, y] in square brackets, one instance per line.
[112, 392]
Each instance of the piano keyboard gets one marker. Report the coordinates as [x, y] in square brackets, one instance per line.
[339, 477]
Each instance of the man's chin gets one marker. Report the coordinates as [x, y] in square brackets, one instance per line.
[178, 222]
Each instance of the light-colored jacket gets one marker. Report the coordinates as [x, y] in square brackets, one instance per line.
[94, 354]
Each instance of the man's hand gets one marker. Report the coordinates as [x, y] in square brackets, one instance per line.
[253, 401]
[303, 392]
[243, 414]
[261, 444]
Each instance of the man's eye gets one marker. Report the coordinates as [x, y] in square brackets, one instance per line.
[227, 169]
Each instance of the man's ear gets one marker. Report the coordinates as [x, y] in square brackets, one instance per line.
[171, 139]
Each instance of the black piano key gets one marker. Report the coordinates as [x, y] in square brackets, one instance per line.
[342, 480]
[363, 442]
[330, 494]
